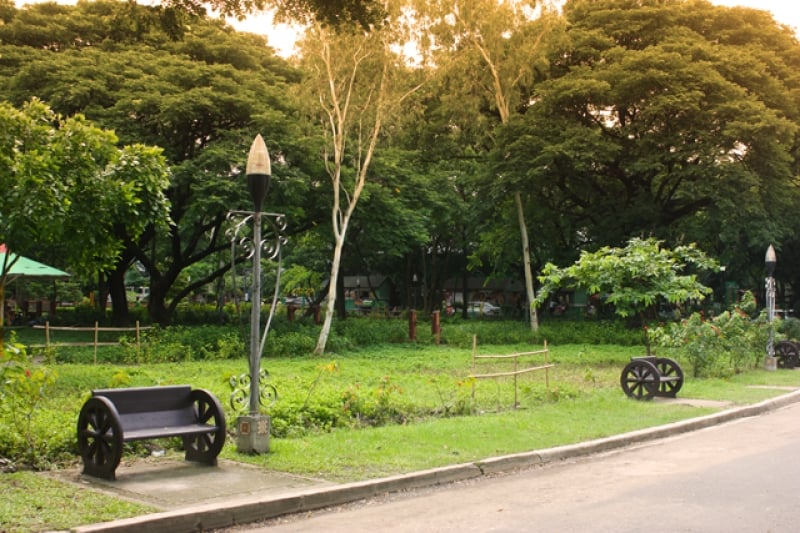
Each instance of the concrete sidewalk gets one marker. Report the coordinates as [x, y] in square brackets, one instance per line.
[198, 498]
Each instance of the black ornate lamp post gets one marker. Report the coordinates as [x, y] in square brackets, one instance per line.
[770, 260]
[253, 428]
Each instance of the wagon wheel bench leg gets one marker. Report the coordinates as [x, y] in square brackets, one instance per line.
[788, 354]
[99, 438]
[671, 377]
[205, 447]
[640, 380]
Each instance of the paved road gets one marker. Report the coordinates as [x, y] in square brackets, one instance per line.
[739, 477]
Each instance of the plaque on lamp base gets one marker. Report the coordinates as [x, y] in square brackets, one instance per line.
[252, 434]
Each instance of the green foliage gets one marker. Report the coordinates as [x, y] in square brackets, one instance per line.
[180, 343]
[24, 387]
[365, 331]
[640, 129]
[790, 328]
[718, 346]
[65, 177]
[457, 332]
[635, 278]
[455, 396]
[291, 343]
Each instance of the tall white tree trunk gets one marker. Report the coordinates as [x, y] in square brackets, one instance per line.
[526, 259]
[322, 340]
[357, 86]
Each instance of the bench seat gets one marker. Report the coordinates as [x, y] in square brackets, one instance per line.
[167, 431]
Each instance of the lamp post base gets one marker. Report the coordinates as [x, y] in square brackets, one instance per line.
[252, 434]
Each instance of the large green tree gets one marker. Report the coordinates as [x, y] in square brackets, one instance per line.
[68, 186]
[202, 98]
[334, 13]
[672, 118]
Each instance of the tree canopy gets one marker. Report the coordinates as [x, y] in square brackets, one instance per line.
[68, 187]
[334, 13]
[585, 128]
[677, 117]
[201, 98]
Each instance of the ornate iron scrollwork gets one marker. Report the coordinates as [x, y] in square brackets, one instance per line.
[240, 395]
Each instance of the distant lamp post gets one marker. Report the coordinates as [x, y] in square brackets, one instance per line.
[253, 429]
[769, 261]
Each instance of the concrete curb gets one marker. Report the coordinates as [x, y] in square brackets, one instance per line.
[255, 508]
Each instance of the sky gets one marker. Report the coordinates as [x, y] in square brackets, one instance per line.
[784, 11]
[282, 37]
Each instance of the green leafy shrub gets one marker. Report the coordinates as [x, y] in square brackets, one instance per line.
[290, 344]
[790, 328]
[292, 418]
[718, 346]
[181, 343]
[368, 331]
[455, 395]
[83, 313]
[24, 387]
[459, 332]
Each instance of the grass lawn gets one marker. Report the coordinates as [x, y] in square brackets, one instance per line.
[425, 393]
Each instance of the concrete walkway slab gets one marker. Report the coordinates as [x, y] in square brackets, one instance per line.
[170, 484]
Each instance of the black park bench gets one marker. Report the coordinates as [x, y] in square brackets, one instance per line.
[111, 417]
[646, 377]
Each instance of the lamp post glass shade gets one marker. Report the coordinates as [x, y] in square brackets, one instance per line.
[770, 260]
[258, 171]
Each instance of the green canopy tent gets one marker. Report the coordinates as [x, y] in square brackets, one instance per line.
[27, 268]
[13, 267]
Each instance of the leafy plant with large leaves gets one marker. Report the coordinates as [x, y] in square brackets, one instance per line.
[634, 279]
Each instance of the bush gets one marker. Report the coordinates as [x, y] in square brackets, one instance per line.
[24, 388]
[459, 332]
[790, 328]
[180, 343]
[291, 344]
[367, 331]
[718, 346]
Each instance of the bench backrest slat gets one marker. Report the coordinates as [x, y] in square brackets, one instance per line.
[147, 399]
[152, 407]
[158, 419]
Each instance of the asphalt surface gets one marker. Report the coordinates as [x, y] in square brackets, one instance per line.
[197, 498]
[740, 476]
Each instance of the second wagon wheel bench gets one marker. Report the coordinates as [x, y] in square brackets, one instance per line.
[788, 354]
[646, 377]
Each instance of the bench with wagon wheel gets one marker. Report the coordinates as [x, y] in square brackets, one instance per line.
[112, 417]
[646, 377]
[788, 354]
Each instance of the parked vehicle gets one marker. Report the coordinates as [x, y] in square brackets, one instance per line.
[482, 309]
